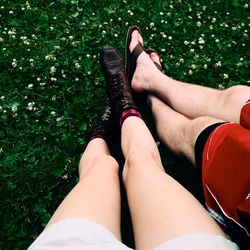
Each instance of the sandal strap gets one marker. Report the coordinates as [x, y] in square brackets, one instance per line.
[135, 53]
[158, 66]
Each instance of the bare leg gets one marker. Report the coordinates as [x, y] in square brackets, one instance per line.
[160, 207]
[189, 99]
[175, 130]
[97, 195]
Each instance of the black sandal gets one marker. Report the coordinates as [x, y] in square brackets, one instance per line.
[130, 58]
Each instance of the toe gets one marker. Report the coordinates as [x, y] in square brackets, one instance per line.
[135, 39]
[155, 58]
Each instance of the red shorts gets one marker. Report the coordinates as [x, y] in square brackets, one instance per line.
[225, 170]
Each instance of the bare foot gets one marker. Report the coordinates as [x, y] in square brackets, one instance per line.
[146, 72]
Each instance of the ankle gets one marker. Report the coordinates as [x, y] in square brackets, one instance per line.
[127, 113]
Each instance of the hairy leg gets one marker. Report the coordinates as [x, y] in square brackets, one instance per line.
[160, 207]
[175, 130]
[97, 195]
[188, 99]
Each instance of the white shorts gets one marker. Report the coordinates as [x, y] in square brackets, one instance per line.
[76, 234]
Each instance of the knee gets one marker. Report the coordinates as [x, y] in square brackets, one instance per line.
[191, 133]
[138, 159]
[105, 164]
[236, 93]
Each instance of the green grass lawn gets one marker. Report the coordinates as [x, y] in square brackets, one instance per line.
[51, 88]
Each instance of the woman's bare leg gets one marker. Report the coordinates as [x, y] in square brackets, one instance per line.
[160, 207]
[97, 195]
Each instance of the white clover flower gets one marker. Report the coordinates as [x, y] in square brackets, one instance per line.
[30, 105]
[70, 37]
[104, 32]
[193, 66]
[217, 40]
[234, 28]
[77, 65]
[186, 42]
[14, 108]
[246, 6]
[42, 83]
[220, 86]
[53, 113]
[225, 76]
[14, 64]
[58, 119]
[191, 50]
[49, 57]
[77, 79]
[218, 64]
[161, 13]
[28, 5]
[65, 177]
[211, 27]
[30, 86]
[12, 32]
[201, 40]
[213, 20]
[53, 98]
[52, 70]
[115, 35]
[198, 24]
[11, 12]
[205, 66]
[51, 28]
[2, 97]
[1, 39]
[53, 79]
[151, 25]
[88, 56]
[170, 38]
[190, 72]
